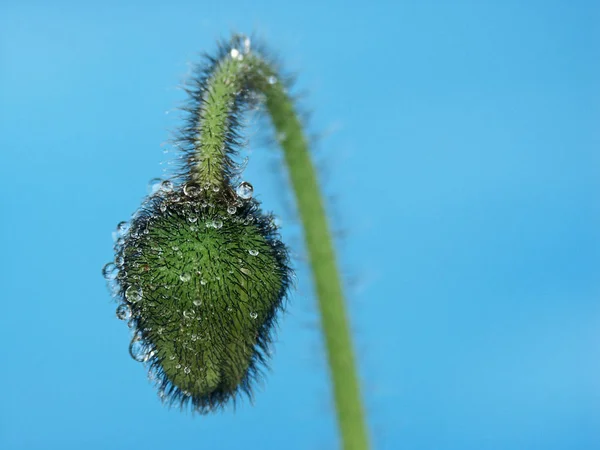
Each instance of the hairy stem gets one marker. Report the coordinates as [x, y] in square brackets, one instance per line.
[237, 74]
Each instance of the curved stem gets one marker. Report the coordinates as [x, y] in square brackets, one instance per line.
[234, 74]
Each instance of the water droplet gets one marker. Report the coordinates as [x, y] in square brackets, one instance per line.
[110, 271]
[185, 277]
[210, 224]
[122, 228]
[253, 252]
[123, 312]
[254, 315]
[193, 219]
[172, 358]
[137, 349]
[163, 207]
[245, 271]
[178, 366]
[235, 53]
[154, 185]
[186, 370]
[218, 224]
[216, 188]
[203, 282]
[120, 261]
[197, 302]
[272, 79]
[246, 43]
[133, 294]
[191, 190]
[174, 248]
[231, 209]
[166, 185]
[245, 190]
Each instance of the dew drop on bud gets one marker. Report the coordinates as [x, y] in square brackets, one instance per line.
[253, 315]
[122, 228]
[185, 277]
[154, 185]
[110, 271]
[123, 312]
[245, 190]
[272, 79]
[166, 185]
[231, 209]
[137, 350]
[253, 252]
[133, 294]
[191, 190]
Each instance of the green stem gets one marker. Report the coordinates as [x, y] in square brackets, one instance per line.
[250, 71]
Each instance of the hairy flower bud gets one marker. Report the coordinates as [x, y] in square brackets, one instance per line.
[202, 276]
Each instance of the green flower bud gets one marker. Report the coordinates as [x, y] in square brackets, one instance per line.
[203, 274]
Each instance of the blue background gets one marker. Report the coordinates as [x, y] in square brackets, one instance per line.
[458, 145]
